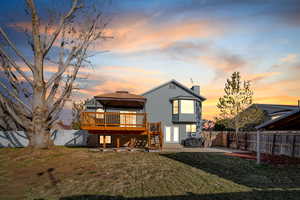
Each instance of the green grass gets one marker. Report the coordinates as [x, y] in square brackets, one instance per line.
[76, 173]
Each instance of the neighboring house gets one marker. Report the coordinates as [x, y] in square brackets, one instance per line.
[273, 111]
[167, 114]
[270, 112]
[178, 108]
[288, 121]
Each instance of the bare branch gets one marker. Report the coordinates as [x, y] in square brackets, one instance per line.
[14, 111]
[15, 96]
[62, 68]
[18, 69]
[13, 46]
[60, 26]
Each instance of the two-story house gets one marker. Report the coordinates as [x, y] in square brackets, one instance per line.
[178, 108]
[165, 115]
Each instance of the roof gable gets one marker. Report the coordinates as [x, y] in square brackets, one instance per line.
[275, 108]
[178, 85]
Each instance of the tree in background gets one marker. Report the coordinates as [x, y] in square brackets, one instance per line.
[30, 98]
[77, 109]
[232, 105]
[207, 125]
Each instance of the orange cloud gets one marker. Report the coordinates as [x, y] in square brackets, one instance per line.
[130, 70]
[290, 58]
[134, 85]
[139, 34]
[223, 63]
[136, 35]
[132, 79]
[261, 76]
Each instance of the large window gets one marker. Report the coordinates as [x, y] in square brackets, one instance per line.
[175, 107]
[187, 106]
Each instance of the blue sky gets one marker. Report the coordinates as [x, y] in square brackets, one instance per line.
[206, 41]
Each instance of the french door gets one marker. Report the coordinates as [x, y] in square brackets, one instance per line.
[172, 134]
[127, 120]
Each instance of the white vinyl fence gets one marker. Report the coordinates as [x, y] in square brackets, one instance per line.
[60, 137]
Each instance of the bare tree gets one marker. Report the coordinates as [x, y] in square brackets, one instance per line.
[77, 109]
[27, 95]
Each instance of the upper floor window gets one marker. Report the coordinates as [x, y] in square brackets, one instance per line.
[187, 106]
[175, 107]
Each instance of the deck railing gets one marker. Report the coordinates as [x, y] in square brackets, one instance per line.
[113, 119]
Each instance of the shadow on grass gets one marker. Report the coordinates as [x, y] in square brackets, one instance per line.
[256, 195]
[241, 171]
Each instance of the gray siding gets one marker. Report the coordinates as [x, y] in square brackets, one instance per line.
[159, 108]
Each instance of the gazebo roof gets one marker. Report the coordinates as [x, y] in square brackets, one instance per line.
[121, 99]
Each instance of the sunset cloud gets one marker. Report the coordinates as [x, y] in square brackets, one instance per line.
[261, 76]
[290, 58]
[224, 63]
[155, 41]
[113, 78]
[140, 35]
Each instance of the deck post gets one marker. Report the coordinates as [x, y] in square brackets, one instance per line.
[161, 136]
[148, 133]
[131, 143]
[118, 141]
[104, 142]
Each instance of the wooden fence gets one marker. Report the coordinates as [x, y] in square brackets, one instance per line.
[271, 142]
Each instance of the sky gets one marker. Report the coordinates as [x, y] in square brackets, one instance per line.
[199, 42]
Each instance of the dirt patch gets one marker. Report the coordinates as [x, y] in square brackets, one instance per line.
[266, 158]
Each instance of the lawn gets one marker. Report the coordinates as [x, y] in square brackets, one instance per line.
[77, 173]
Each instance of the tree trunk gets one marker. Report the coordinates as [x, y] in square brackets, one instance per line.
[237, 138]
[39, 132]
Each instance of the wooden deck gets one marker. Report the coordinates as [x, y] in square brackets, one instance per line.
[118, 124]
[113, 121]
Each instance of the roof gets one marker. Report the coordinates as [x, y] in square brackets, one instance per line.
[272, 109]
[288, 121]
[120, 95]
[121, 99]
[179, 85]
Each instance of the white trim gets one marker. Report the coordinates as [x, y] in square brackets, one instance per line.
[168, 134]
[176, 134]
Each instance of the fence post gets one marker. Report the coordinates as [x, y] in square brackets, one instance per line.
[293, 145]
[227, 139]
[273, 143]
[258, 147]
[246, 143]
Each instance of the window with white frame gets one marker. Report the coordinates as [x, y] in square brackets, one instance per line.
[187, 106]
[107, 139]
[175, 107]
[191, 129]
